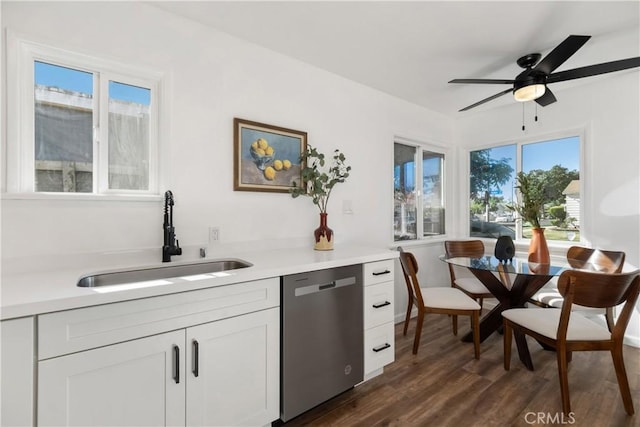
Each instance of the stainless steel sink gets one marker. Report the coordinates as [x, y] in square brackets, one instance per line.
[161, 272]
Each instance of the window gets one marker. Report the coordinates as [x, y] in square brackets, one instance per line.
[86, 125]
[418, 177]
[493, 190]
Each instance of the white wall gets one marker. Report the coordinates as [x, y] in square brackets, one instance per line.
[212, 78]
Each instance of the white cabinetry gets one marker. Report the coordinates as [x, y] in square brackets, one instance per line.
[379, 345]
[17, 372]
[237, 363]
[131, 383]
[213, 359]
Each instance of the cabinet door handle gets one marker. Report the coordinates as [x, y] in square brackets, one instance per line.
[380, 273]
[176, 364]
[383, 304]
[382, 347]
[196, 355]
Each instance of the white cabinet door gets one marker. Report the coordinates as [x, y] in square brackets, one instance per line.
[135, 383]
[16, 374]
[238, 371]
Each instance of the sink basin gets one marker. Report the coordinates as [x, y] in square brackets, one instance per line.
[159, 273]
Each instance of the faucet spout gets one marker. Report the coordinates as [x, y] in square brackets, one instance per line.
[171, 245]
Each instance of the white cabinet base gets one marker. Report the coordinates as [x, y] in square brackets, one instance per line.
[238, 371]
[17, 372]
[132, 383]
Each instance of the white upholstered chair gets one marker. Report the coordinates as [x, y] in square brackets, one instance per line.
[469, 285]
[439, 300]
[568, 330]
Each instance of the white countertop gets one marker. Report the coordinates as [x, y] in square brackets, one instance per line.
[27, 293]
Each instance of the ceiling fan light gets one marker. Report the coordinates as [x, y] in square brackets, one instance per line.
[529, 93]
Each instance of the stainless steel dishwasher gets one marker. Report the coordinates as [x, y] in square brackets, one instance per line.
[322, 337]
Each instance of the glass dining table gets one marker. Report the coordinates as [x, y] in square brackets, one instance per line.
[512, 283]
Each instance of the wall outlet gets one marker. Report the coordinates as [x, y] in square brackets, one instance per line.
[214, 235]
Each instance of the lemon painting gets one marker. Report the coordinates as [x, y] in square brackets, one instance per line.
[268, 161]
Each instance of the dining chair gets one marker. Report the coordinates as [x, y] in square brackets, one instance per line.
[583, 258]
[437, 300]
[567, 331]
[469, 285]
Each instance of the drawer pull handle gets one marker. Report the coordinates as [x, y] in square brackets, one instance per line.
[196, 360]
[176, 364]
[384, 304]
[380, 273]
[382, 347]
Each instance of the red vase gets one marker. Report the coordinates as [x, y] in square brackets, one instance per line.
[323, 235]
[538, 249]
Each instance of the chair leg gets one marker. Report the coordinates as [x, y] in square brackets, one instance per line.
[561, 353]
[408, 316]
[475, 324]
[480, 302]
[623, 383]
[454, 324]
[507, 345]
[416, 340]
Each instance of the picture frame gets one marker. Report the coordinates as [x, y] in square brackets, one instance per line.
[266, 157]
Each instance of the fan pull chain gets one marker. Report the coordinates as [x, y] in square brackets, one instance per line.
[536, 112]
[523, 117]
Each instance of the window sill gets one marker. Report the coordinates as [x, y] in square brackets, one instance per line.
[83, 197]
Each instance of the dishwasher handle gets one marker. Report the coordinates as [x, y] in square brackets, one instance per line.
[327, 286]
[317, 287]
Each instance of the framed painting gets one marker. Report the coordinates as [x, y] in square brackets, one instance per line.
[266, 157]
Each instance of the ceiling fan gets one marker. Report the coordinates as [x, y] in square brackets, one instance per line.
[531, 84]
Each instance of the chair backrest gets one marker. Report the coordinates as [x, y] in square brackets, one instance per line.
[462, 248]
[595, 259]
[600, 290]
[409, 270]
[466, 248]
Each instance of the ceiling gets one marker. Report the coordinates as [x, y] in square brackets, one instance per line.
[412, 49]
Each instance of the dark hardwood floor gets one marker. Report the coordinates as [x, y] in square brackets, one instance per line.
[445, 386]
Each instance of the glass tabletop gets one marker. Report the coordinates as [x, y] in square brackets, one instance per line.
[516, 265]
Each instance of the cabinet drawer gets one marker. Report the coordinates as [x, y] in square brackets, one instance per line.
[378, 272]
[75, 330]
[379, 347]
[378, 304]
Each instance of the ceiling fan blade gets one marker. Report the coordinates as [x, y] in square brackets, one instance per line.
[594, 70]
[547, 98]
[483, 81]
[497, 95]
[561, 53]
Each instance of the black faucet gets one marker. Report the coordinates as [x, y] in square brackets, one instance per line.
[171, 245]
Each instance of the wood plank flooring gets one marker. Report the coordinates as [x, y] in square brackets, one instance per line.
[443, 385]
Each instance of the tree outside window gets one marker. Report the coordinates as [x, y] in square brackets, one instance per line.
[554, 163]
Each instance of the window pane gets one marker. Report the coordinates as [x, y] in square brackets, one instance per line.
[492, 189]
[63, 129]
[128, 136]
[404, 206]
[432, 204]
[556, 163]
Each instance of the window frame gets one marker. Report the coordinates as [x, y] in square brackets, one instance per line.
[422, 147]
[20, 143]
[585, 221]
